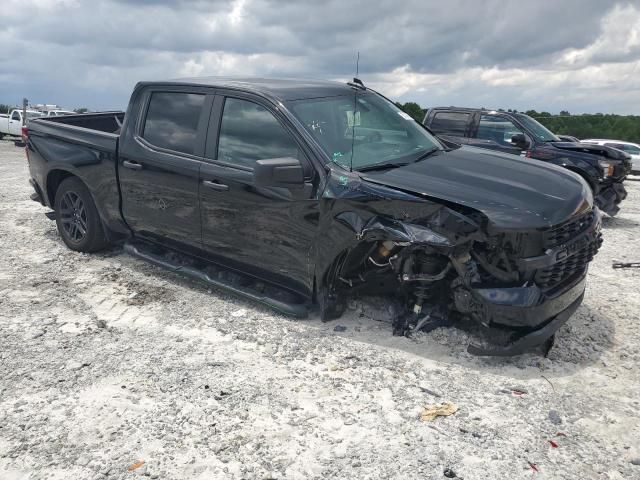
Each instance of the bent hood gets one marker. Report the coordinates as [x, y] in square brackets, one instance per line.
[514, 193]
[600, 150]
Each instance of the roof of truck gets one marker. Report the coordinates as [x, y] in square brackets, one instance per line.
[475, 109]
[283, 89]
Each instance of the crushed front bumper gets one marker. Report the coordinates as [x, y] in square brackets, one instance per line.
[528, 316]
[610, 197]
[531, 314]
[532, 338]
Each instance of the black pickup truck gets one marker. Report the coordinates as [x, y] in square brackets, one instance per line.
[602, 167]
[303, 193]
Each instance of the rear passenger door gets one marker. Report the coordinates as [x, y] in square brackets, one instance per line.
[452, 126]
[267, 231]
[494, 132]
[159, 166]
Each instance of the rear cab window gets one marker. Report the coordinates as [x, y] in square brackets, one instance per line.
[450, 123]
[172, 120]
[250, 132]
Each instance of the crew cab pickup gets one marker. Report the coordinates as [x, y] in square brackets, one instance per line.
[300, 194]
[603, 168]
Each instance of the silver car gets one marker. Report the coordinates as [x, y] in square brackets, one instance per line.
[633, 149]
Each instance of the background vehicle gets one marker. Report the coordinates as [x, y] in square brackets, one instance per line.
[568, 138]
[632, 149]
[296, 193]
[57, 113]
[603, 168]
[11, 124]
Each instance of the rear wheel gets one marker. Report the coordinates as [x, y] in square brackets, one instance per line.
[77, 217]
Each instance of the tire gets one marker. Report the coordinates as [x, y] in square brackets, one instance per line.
[77, 218]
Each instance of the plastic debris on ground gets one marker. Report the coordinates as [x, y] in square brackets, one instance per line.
[444, 409]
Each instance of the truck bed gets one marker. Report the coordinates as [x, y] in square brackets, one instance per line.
[100, 130]
[85, 146]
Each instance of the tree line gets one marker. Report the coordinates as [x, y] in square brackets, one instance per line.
[586, 125]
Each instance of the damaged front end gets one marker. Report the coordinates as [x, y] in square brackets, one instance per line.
[447, 265]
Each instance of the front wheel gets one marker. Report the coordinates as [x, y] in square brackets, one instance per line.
[77, 217]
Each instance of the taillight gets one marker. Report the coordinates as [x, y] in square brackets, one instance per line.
[528, 154]
[25, 134]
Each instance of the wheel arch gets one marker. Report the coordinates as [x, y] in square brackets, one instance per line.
[55, 178]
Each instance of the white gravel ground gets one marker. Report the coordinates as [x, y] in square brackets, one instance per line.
[106, 361]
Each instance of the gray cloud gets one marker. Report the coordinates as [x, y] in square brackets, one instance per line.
[499, 53]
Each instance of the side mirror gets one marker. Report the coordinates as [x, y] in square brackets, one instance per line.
[519, 140]
[279, 172]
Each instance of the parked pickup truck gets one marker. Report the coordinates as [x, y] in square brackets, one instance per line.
[12, 123]
[603, 168]
[304, 193]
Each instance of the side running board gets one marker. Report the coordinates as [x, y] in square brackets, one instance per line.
[228, 280]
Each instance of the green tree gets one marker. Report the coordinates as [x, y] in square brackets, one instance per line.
[81, 110]
[618, 127]
[413, 109]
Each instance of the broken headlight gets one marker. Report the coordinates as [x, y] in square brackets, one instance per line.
[607, 168]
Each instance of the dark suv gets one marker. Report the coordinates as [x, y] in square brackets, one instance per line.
[602, 167]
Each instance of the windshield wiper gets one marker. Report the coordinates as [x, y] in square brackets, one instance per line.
[381, 166]
[426, 154]
[388, 165]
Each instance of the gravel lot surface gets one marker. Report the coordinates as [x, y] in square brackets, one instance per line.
[107, 362]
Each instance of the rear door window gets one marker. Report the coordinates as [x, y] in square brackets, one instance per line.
[172, 120]
[249, 132]
[451, 123]
[498, 129]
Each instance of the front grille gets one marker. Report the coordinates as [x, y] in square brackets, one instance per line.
[564, 270]
[562, 233]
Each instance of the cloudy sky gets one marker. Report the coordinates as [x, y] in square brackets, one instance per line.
[576, 55]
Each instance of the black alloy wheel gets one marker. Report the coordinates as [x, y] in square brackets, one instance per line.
[73, 216]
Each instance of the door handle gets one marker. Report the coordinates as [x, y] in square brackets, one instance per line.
[131, 165]
[215, 185]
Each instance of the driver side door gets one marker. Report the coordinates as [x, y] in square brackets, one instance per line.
[267, 231]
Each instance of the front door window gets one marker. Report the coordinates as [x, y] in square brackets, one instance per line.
[497, 129]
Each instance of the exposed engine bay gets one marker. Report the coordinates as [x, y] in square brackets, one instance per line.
[450, 267]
